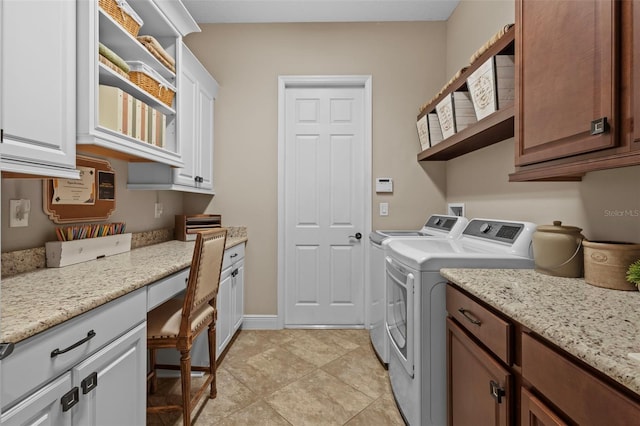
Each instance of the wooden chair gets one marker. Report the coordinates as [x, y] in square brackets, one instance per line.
[177, 322]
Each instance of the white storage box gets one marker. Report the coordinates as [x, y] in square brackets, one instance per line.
[63, 253]
[492, 85]
[463, 110]
[435, 132]
[506, 77]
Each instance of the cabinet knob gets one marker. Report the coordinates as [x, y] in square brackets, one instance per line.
[69, 399]
[496, 391]
[599, 126]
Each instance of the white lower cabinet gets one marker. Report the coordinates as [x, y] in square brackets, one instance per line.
[42, 408]
[90, 370]
[230, 301]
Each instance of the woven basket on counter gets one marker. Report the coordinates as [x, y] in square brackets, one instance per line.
[123, 14]
[606, 263]
[151, 82]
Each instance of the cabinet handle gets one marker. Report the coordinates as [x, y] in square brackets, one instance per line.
[496, 391]
[89, 383]
[69, 399]
[90, 335]
[234, 272]
[598, 126]
[468, 316]
[233, 255]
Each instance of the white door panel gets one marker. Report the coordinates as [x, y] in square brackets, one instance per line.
[325, 201]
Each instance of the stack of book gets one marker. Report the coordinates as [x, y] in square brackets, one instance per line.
[121, 112]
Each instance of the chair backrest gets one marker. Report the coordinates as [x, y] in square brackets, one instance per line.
[204, 276]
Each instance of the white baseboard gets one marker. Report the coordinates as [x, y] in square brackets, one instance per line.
[260, 322]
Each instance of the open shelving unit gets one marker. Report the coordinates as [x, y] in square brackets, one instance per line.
[488, 131]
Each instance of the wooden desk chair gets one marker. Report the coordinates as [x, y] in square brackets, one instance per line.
[177, 322]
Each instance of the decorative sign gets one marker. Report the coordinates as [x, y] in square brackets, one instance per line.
[76, 191]
[445, 116]
[88, 199]
[423, 132]
[482, 84]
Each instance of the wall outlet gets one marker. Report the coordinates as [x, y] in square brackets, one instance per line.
[19, 213]
[158, 210]
[384, 209]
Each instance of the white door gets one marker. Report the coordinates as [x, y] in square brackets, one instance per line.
[325, 196]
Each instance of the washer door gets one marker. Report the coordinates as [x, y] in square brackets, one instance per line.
[399, 319]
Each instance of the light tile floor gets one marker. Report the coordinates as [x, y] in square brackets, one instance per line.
[293, 377]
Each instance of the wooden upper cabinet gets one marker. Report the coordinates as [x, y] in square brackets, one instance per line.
[631, 77]
[566, 75]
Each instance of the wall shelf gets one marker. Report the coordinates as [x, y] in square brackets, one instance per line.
[488, 131]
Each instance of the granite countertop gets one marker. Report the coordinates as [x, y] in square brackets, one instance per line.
[35, 301]
[597, 325]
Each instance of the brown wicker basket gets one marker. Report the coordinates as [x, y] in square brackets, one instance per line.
[113, 67]
[142, 76]
[129, 22]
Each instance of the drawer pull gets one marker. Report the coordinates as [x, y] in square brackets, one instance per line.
[233, 255]
[496, 391]
[69, 399]
[468, 316]
[5, 350]
[89, 383]
[90, 335]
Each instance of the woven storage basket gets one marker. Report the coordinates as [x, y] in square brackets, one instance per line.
[151, 82]
[123, 14]
[113, 67]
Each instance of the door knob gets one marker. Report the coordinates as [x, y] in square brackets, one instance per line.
[357, 236]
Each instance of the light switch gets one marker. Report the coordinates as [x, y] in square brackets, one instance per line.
[384, 209]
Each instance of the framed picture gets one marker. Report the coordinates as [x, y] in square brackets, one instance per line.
[482, 87]
[444, 109]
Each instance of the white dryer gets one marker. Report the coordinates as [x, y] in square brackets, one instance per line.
[436, 226]
[416, 312]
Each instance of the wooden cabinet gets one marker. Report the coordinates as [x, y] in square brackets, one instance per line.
[478, 386]
[89, 370]
[494, 128]
[575, 69]
[95, 26]
[37, 88]
[197, 93]
[541, 385]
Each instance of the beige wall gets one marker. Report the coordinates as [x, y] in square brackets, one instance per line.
[405, 61]
[136, 208]
[605, 204]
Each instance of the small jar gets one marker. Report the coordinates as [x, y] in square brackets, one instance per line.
[557, 250]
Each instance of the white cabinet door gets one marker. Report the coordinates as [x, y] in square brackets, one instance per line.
[37, 87]
[237, 275]
[223, 304]
[197, 94]
[43, 407]
[112, 382]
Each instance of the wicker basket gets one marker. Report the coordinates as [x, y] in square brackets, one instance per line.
[151, 82]
[113, 67]
[123, 15]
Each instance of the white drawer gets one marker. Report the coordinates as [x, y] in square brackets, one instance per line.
[31, 364]
[166, 288]
[232, 255]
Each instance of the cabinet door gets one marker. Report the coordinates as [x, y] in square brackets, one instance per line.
[112, 382]
[43, 407]
[197, 93]
[566, 77]
[634, 29]
[224, 306]
[37, 72]
[238, 294]
[478, 386]
[534, 413]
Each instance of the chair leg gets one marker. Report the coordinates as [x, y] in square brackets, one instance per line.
[154, 375]
[185, 378]
[212, 359]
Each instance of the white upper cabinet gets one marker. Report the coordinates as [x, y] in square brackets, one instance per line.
[197, 91]
[37, 87]
[94, 25]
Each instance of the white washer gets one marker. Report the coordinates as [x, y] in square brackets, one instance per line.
[416, 312]
[436, 226]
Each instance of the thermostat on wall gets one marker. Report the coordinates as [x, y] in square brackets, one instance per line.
[384, 185]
